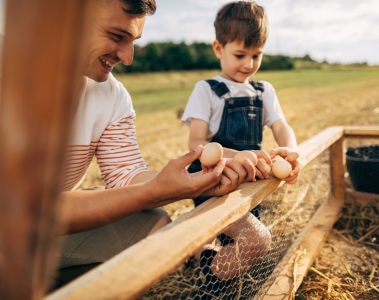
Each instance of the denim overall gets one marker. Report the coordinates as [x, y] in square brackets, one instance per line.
[240, 126]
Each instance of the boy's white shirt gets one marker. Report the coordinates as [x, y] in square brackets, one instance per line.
[205, 105]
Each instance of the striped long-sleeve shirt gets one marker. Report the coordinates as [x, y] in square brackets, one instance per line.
[104, 126]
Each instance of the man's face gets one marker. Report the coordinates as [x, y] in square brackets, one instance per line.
[110, 41]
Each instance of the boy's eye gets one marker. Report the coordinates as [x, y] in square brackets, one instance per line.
[239, 56]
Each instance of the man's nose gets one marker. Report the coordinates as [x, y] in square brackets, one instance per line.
[126, 53]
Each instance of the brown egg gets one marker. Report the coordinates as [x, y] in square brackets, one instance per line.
[246, 154]
[211, 155]
[281, 168]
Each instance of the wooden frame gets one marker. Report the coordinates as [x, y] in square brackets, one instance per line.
[130, 273]
[39, 81]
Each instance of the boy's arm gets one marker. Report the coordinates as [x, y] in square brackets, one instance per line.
[198, 135]
[286, 139]
[284, 135]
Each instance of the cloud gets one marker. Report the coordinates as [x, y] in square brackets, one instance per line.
[336, 30]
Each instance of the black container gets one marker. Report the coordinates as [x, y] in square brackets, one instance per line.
[363, 166]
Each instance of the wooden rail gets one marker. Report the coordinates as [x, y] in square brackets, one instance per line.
[130, 273]
[39, 76]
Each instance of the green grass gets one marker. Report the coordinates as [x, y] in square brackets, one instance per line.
[161, 91]
[165, 91]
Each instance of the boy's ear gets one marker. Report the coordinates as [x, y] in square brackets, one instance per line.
[217, 48]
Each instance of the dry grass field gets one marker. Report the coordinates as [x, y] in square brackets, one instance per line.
[312, 100]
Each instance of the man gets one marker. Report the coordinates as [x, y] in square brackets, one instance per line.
[99, 224]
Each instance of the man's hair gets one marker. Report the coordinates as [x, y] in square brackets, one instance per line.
[146, 7]
[242, 21]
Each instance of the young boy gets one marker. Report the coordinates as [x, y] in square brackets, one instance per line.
[231, 110]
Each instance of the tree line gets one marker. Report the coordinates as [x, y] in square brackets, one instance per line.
[170, 56]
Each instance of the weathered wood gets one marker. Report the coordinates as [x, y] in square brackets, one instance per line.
[362, 198]
[361, 131]
[317, 144]
[121, 276]
[39, 72]
[337, 169]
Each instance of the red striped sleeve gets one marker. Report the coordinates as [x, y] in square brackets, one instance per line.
[78, 158]
[118, 154]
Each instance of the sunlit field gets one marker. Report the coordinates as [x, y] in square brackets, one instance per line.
[312, 100]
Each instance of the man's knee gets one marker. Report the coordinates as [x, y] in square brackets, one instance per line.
[163, 221]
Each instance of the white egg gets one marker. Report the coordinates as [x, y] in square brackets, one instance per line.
[246, 154]
[211, 155]
[281, 168]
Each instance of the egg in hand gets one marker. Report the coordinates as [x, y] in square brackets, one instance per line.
[212, 154]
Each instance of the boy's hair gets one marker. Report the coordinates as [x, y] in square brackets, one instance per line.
[147, 7]
[242, 21]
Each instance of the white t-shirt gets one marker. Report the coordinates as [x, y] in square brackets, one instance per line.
[205, 105]
[104, 126]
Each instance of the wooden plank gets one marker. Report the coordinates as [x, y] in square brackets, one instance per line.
[131, 272]
[362, 198]
[317, 144]
[337, 169]
[361, 131]
[289, 273]
[39, 68]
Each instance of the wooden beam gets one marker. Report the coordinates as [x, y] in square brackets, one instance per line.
[39, 81]
[314, 146]
[121, 276]
[361, 131]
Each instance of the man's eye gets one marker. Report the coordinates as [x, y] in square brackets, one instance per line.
[116, 37]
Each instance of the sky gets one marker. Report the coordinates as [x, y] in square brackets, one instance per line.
[342, 31]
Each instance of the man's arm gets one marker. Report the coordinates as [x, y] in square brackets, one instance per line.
[81, 210]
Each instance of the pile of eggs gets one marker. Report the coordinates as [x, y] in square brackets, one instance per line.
[213, 153]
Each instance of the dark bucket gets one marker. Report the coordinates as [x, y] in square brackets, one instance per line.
[363, 166]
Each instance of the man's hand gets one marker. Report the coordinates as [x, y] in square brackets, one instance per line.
[232, 176]
[174, 182]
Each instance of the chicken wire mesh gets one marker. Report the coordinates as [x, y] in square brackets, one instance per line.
[242, 268]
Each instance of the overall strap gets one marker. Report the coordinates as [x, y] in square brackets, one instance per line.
[258, 85]
[218, 87]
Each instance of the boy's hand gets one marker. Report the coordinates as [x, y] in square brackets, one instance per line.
[263, 167]
[291, 156]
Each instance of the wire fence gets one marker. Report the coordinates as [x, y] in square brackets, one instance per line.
[285, 213]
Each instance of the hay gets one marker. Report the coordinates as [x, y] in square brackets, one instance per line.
[346, 268]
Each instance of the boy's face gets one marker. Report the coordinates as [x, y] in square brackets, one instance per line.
[238, 63]
[110, 39]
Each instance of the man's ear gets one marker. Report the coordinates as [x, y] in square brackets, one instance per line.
[217, 48]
